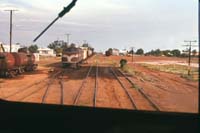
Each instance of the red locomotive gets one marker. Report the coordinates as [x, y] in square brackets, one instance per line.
[12, 64]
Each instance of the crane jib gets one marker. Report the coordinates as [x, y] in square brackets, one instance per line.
[67, 9]
[61, 14]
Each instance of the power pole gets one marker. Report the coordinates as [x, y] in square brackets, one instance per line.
[84, 41]
[68, 38]
[189, 52]
[11, 14]
[132, 53]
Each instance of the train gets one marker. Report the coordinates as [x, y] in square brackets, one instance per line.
[15, 63]
[73, 56]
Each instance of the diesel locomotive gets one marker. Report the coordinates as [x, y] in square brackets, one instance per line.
[73, 56]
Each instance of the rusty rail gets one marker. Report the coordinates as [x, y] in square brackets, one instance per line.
[96, 85]
[26, 88]
[81, 87]
[62, 89]
[49, 84]
[125, 89]
[142, 92]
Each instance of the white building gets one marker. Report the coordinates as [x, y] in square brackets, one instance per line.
[46, 52]
[15, 47]
[115, 51]
[123, 52]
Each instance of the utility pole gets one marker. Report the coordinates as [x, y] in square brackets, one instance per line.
[84, 41]
[189, 52]
[132, 53]
[68, 38]
[11, 14]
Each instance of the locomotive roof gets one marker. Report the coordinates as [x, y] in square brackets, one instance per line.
[72, 49]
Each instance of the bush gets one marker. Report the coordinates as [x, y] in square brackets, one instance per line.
[123, 62]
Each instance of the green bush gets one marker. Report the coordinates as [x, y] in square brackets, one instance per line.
[123, 62]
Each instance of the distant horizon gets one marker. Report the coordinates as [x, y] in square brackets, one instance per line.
[106, 49]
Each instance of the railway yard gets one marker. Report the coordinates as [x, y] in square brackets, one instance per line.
[99, 82]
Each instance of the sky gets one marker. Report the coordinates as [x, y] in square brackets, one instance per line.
[146, 24]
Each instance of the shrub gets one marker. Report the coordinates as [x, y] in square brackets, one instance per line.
[123, 62]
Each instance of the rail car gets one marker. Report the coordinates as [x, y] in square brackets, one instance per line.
[73, 56]
[15, 63]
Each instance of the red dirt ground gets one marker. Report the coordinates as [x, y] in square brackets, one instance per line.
[169, 91]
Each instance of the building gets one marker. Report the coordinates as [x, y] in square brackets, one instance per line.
[15, 47]
[123, 52]
[46, 52]
[115, 51]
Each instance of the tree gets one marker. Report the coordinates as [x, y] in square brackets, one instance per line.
[140, 51]
[57, 44]
[131, 52]
[176, 53]
[194, 52]
[59, 50]
[166, 52]
[33, 48]
[157, 52]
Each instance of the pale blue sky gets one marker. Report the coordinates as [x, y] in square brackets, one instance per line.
[147, 24]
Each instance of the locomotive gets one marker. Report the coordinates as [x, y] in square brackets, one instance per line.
[12, 64]
[73, 56]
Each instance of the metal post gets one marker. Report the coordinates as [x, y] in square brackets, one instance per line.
[189, 52]
[84, 41]
[189, 61]
[11, 14]
[132, 54]
[68, 38]
[11, 31]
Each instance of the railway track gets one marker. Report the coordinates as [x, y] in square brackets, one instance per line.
[62, 89]
[28, 87]
[121, 77]
[43, 84]
[96, 86]
[59, 76]
[93, 72]
[125, 89]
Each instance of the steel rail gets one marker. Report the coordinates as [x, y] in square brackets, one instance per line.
[62, 89]
[19, 91]
[124, 88]
[35, 91]
[24, 89]
[48, 86]
[96, 86]
[153, 104]
[81, 87]
[32, 93]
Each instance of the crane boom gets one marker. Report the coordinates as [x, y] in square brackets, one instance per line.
[60, 15]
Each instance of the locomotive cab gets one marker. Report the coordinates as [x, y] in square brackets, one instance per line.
[72, 56]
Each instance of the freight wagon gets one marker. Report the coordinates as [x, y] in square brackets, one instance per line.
[12, 64]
